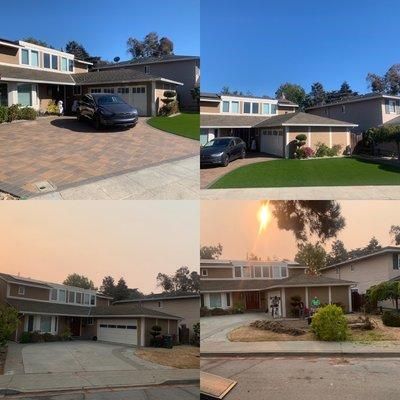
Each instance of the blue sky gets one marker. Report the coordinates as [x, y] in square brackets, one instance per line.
[256, 45]
[103, 27]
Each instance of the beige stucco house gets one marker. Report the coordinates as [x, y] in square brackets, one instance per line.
[48, 307]
[272, 123]
[255, 283]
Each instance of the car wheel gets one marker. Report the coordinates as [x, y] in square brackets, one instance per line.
[79, 116]
[225, 161]
[97, 123]
[243, 154]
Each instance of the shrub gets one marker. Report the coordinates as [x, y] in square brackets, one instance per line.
[36, 337]
[66, 334]
[321, 150]
[25, 337]
[171, 105]
[27, 113]
[8, 323]
[391, 318]
[219, 311]
[305, 152]
[52, 108]
[155, 330]
[12, 114]
[238, 307]
[48, 337]
[157, 341]
[330, 324]
[196, 335]
[334, 150]
[205, 312]
[3, 114]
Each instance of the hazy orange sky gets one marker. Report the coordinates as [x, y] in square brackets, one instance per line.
[48, 240]
[234, 224]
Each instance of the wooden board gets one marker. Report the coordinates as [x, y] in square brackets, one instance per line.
[215, 386]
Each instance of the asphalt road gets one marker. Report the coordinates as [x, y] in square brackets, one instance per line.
[309, 378]
[156, 393]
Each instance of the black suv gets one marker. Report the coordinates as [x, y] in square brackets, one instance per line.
[106, 109]
[222, 150]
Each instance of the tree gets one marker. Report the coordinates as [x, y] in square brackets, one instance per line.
[304, 218]
[108, 286]
[293, 92]
[77, 50]
[376, 83]
[317, 93]
[395, 234]
[389, 290]
[253, 257]
[165, 282]
[225, 90]
[338, 253]
[373, 245]
[121, 290]
[392, 80]
[211, 252]
[311, 255]
[80, 281]
[384, 134]
[182, 281]
[150, 46]
[38, 42]
[8, 323]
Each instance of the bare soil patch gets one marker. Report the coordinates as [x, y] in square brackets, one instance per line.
[178, 357]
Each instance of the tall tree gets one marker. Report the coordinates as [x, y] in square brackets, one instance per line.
[108, 286]
[305, 218]
[166, 46]
[338, 253]
[253, 257]
[292, 92]
[345, 89]
[311, 255]
[38, 42]
[80, 281]
[211, 252]
[392, 80]
[165, 282]
[121, 290]
[150, 46]
[182, 281]
[395, 234]
[373, 245]
[376, 83]
[317, 93]
[77, 50]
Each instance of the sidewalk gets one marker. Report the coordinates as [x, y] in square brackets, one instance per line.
[30, 383]
[299, 348]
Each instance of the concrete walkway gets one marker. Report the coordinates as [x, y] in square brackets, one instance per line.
[173, 180]
[299, 348]
[306, 193]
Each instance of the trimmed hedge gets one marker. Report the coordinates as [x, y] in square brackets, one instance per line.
[14, 112]
[391, 318]
[329, 324]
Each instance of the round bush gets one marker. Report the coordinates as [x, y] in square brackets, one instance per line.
[329, 324]
[301, 137]
[391, 318]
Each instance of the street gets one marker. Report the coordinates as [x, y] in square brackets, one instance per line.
[154, 393]
[309, 378]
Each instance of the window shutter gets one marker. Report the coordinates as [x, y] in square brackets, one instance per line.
[395, 261]
[386, 106]
[398, 107]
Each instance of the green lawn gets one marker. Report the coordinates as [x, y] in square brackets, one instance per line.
[315, 172]
[185, 124]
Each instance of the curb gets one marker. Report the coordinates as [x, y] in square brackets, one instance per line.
[373, 354]
[13, 393]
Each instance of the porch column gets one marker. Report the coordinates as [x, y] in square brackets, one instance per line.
[309, 137]
[283, 303]
[306, 297]
[330, 136]
[348, 137]
[153, 99]
[12, 93]
[168, 326]
[330, 294]
[350, 305]
[286, 141]
[142, 331]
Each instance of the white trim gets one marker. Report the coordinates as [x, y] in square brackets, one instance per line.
[205, 99]
[82, 62]
[171, 81]
[204, 270]
[330, 294]
[6, 44]
[2, 78]
[135, 316]
[350, 305]
[228, 127]
[330, 136]
[283, 302]
[306, 299]
[333, 125]
[309, 136]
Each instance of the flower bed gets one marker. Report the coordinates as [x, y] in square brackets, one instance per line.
[16, 112]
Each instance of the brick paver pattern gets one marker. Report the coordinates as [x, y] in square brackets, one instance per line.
[67, 152]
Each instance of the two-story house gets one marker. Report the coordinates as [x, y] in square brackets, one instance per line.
[181, 68]
[367, 111]
[254, 284]
[368, 270]
[184, 304]
[51, 308]
[271, 124]
[32, 76]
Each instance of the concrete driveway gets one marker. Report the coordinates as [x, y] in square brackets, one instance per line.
[214, 329]
[57, 153]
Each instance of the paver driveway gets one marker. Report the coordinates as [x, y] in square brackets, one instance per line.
[68, 153]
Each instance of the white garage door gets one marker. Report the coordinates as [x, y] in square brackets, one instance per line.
[272, 142]
[136, 96]
[118, 331]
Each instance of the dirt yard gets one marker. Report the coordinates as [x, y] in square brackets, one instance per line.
[177, 357]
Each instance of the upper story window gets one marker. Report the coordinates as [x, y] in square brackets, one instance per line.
[343, 108]
[254, 108]
[246, 272]
[257, 271]
[64, 64]
[79, 298]
[46, 60]
[54, 62]
[159, 304]
[21, 290]
[284, 272]
[266, 272]
[71, 65]
[53, 294]
[225, 106]
[62, 296]
[71, 297]
[146, 69]
[396, 261]
[238, 272]
[34, 58]
[273, 109]
[235, 107]
[246, 107]
[92, 300]
[265, 108]
[204, 272]
[25, 57]
[86, 299]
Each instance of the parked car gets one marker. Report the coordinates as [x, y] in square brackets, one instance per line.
[220, 151]
[106, 109]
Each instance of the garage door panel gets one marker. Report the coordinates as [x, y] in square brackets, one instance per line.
[118, 331]
[272, 142]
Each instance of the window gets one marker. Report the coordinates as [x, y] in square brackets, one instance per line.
[396, 261]
[86, 299]
[204, 272]
[215, 300]
[79, 298]
[62, 296]
[351, 267]
[159, 304]
[25, 94]
[337, 270]
[45, 324]
[238, 272]
[3, 95]
[71, 297]
[21, 290]
[122, 90]
[284, 273]
[235, 107]
[95, 90]
[88, 321]
[34, 58]
[31, 320]
[273, 109]
[266, 272]
[103, 326]
[54, 62]
[257, 272]
[246, 272]
[131, 327]
[254, 108]
[276, 273]
[71, 65]
[64, 64]
[225, 106]
[111, 326]
[25, 56]
[146, 69]
[265, 108]
[343, 108]
[53, 294]
[246, 107]
[92, 300]
[108, 90]
[228, 299]
[46, 60]
[392, 106]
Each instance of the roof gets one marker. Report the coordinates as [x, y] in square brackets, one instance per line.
[150, 60]
[229, 121]
[311, 280]
[394, 121]
[43, 307]
[210, 95]
[301, 119]
[129, 311]
[161, 296]
[122, 75]
[247, 96]
[23, 281]
[353, 99]
[286, 102]
[33, 75]
[383, 250]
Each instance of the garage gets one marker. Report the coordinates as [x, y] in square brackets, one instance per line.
[118, 331]
[136, 96]
[271, 141]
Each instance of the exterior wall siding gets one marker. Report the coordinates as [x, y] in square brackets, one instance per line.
[100, 301]
[30, 292]
[9, 55]
[217, 272]
[209, 107]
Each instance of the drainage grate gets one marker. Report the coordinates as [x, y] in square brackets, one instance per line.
[44, 186]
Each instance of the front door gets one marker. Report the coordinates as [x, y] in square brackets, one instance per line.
[252, 300]
[75, 326]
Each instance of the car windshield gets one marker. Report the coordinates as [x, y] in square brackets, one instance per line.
[104, 100]
[217, 142]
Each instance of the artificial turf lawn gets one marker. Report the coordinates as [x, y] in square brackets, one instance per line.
[185, 124]
[315, 172]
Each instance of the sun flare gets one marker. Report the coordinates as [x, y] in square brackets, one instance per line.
[264, 216]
